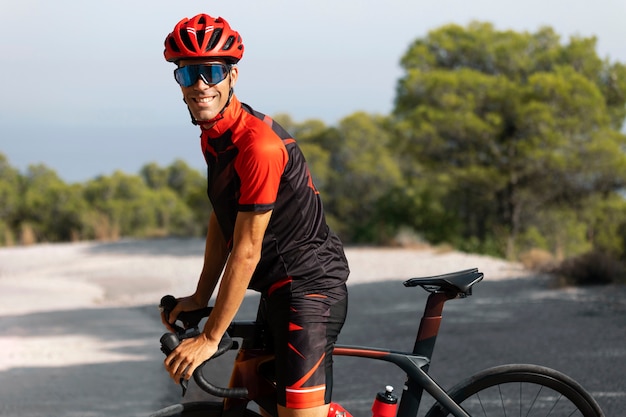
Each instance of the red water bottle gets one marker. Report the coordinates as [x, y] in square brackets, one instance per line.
[336, 410]
[385, 404]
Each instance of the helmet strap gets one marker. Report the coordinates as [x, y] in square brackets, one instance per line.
[217, 117]
[193, 119]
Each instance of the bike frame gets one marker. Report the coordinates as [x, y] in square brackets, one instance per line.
[415, 364]
[252, 380]
[252, 358]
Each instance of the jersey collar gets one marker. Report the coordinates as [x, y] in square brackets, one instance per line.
[217, 128]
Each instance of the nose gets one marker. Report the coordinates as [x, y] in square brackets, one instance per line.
[200, 83]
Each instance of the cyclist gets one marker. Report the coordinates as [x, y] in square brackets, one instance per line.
[267, 230]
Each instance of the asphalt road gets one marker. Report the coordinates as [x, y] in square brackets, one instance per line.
[581, 332]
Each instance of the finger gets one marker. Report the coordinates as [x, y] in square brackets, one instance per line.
[189, 371]
[165, 322]
[172, 362]
[180, 372]
[176, 369]
[174, 313]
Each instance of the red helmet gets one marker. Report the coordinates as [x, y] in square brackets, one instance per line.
[203, 36]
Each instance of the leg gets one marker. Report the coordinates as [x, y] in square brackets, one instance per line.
[304, 329]
[319, 411]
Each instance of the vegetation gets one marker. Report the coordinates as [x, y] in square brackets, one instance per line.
[39, 207]
[499, 142]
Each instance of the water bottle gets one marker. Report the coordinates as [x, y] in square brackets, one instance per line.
[385, 404]
[337, 410]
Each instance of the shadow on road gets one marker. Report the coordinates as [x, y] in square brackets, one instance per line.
[112, 380]
[577, 331]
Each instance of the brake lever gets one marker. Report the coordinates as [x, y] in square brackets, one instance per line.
[170, 341]
[189, 319]
[166, 306]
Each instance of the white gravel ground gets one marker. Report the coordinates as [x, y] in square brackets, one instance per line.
[88, 275]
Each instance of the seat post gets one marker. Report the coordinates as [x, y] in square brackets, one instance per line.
[429, 325]
[424, 346]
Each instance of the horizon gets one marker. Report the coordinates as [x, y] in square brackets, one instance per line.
[118, 107]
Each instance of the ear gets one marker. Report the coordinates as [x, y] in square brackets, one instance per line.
[234, 74]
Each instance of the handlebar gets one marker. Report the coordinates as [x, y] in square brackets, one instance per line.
[169, 342]
[189, 319]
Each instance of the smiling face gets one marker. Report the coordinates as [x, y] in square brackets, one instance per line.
[206, 101]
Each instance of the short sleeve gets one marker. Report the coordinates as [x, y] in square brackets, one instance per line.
[260, 166]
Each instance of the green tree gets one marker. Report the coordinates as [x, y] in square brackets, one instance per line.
[50, 207]
[190, 185]
[9, 200]
[182, 206]
[362, 172]
[154, 176]
[125, 204]
[308, 134]
[183, 179]
[510, 124]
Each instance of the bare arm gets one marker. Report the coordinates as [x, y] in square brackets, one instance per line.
[215, 255]
[248, 240]
[247, 243]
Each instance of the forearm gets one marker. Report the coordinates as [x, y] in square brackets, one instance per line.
[215, 256]
[243, 260]
[232, 291]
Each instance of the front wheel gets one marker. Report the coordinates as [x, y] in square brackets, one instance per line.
[521, 390]
[202, 409]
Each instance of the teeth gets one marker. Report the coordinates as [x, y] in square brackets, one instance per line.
[204, 100]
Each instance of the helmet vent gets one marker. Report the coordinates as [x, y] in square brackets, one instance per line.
[184, 36]
[215, 37]
[203, 36]
[173, 45]
[200, 36]
[228, 43]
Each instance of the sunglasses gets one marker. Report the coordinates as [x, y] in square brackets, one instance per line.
[211, 74]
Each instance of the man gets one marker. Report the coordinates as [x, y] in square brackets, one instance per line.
[267, 230]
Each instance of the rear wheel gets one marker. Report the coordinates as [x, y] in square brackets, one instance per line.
[521, 390]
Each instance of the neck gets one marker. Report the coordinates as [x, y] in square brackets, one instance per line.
[216, 127]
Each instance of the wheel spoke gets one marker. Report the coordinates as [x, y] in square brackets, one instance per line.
[481, 404]
[522, 390]
[502, 400]
[532, 405]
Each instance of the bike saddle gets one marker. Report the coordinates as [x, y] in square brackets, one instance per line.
[460, 281]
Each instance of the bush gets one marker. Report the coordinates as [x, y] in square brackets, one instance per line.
[537, 260]
[592, 268]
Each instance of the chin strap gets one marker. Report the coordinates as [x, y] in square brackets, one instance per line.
[219, 116]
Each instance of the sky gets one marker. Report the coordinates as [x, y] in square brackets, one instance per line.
[84, 88]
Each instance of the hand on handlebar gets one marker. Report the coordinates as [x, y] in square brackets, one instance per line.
[184, 361]
[169, 314]
[190, 354]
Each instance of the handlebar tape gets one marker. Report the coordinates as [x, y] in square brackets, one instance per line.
[169, 342]
[218, 391]
[224, 346]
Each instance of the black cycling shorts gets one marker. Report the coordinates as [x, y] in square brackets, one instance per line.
[303, 329]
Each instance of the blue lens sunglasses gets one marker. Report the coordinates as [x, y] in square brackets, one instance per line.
[211, 74]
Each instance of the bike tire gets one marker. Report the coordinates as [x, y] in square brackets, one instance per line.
[198, 409]
[521, 390]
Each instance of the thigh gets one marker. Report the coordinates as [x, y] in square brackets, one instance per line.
[304, 328]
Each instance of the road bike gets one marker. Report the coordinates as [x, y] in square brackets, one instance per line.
[501, 391]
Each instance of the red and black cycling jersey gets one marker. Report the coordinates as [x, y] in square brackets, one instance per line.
[253, 164]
